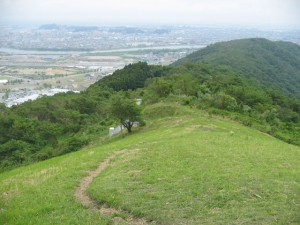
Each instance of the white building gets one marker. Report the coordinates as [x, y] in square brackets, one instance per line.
[3, 81]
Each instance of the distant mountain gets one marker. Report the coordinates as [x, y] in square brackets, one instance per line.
[49, 27]
[126, 30]
[83, 28]
[274, 64]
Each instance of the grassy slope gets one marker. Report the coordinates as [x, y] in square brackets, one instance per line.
[191, 170]
[185, 169]
[43, 193]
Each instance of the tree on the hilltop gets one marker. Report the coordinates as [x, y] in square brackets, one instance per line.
[126, 111]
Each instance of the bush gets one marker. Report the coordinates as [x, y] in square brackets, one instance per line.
[75, 144]
[224, 101]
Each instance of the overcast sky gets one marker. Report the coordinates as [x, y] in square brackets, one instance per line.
[152, 12]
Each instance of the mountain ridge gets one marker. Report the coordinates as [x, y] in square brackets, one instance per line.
[273, 64]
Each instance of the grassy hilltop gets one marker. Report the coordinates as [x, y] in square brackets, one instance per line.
[184, 167]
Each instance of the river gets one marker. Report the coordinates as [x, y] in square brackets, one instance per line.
[54, 52]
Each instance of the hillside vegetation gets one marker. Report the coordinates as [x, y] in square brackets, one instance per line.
[188, 168]
[130, 77]
[52, 126]
[274, 64]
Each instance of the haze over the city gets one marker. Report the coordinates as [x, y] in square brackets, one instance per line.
[257, 13]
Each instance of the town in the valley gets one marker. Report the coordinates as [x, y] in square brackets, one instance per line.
[49, 59]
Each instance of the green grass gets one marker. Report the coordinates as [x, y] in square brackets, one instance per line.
[43, 193]
[185, 169]
[194, 170]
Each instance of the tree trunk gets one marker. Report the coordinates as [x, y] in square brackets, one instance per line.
[128, 126]
[129, 129]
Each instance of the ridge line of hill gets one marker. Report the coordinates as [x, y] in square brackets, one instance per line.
[184, 167]
[275, 64]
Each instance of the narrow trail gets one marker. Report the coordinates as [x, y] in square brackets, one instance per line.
[105, 210]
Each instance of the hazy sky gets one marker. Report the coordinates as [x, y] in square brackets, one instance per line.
[164, 12]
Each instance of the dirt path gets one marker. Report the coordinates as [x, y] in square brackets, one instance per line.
[84, 199]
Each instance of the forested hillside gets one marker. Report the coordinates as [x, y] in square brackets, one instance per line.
[274, 64]
[130, 77]
[52, 126]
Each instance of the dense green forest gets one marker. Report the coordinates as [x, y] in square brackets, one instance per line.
[130, 77]
[51, 126]
[274, 64]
